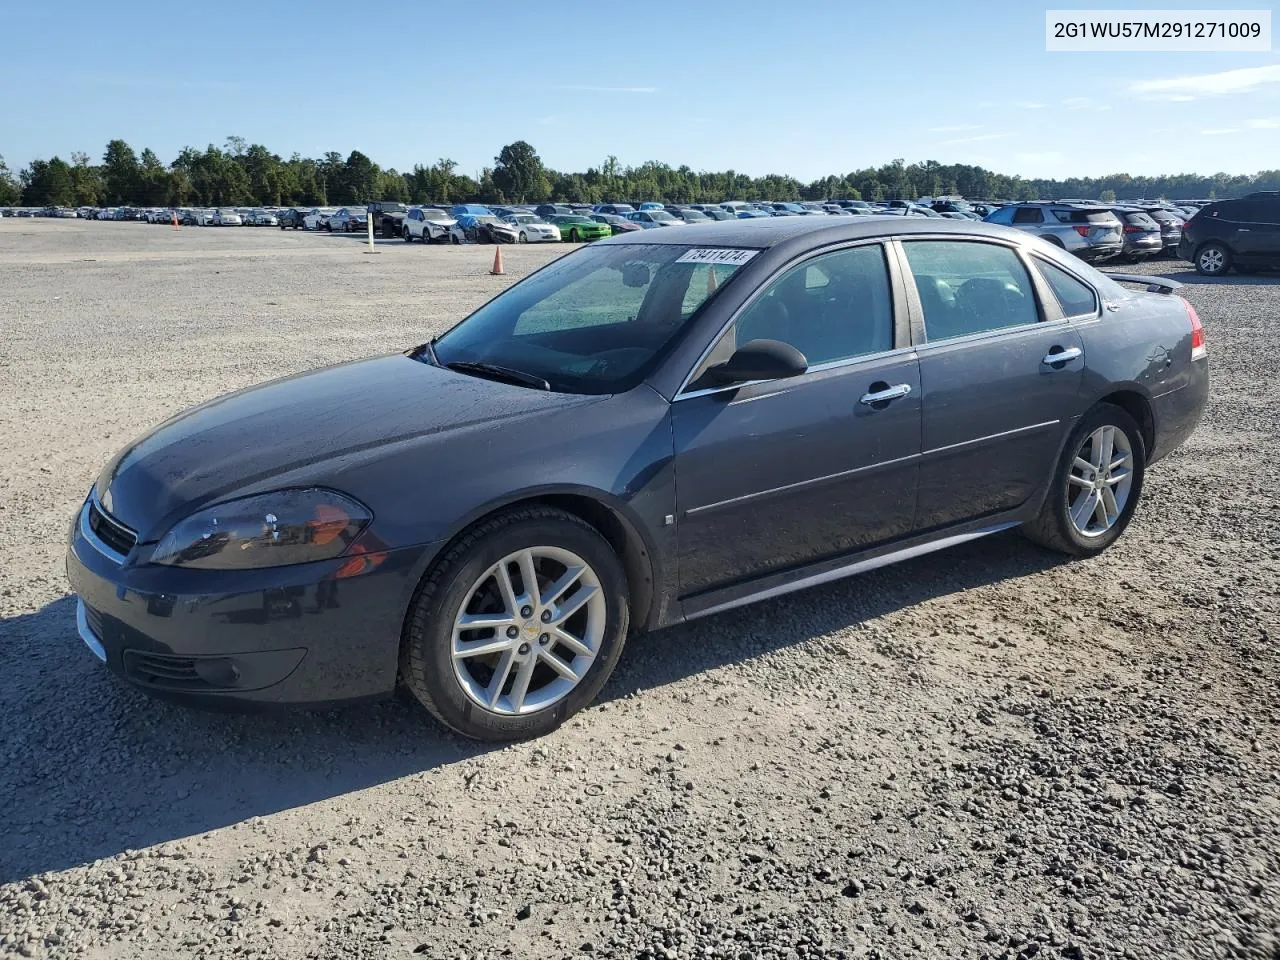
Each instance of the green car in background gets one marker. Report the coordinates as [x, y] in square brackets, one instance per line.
[575, 228]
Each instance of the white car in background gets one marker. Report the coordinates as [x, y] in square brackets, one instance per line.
[226, 218]
[651, 219]
[429, 224]
[318, 217]
[533, 229]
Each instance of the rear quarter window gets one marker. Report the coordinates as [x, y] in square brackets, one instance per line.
[1076, 297]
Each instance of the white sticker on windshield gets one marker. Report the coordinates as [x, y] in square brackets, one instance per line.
[734, 258]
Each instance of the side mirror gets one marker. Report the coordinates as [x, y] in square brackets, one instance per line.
[759, 360]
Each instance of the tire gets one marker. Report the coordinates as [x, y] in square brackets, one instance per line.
[408, 237]
[573, 236]
[1056, 242]
[452, 690]
[523, 237]
[1054, 526]
[1212, 260]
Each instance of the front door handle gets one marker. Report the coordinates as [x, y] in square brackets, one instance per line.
[885, 393]
[1055, 357]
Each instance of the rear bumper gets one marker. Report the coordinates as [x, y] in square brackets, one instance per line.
[1100, 251]
[1177, 414]
[296, 635]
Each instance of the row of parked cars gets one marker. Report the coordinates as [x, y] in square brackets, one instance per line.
[1214, 235]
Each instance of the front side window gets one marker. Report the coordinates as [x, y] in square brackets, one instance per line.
[834, 307]
[1076, 297]
[967, 287]
[593, 322]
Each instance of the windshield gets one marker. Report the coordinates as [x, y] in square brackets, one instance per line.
[659, 215]
[593, 322]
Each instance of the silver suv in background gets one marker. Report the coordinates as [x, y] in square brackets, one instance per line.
[1091, 233]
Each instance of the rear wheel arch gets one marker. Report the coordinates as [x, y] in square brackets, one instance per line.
[1137, 406]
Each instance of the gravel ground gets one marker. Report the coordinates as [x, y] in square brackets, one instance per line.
[986, 752]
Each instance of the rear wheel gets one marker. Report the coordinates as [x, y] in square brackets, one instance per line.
[1096, 486]
[1056, 242]
[517, 626]
[1213, 260]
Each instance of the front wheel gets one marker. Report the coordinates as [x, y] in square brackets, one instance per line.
[573, 236]
[1213, 260]
[408, 237]
[518, 626]
[524, 238]
[1096, 486]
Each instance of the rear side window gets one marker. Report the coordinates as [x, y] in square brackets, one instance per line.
[1141, 220]
[1085, 216]
[1076, 298]
[1028, 215]
[967, 287]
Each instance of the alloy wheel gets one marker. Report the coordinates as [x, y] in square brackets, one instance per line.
[529, 630]
[1100, 481]
[1212, 260]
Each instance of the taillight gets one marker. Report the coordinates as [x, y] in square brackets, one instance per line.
[1082, 230]
[1130, 228]
[1198, 349]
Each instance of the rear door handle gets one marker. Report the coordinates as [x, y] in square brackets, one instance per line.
[886, 394]
[1062, 356]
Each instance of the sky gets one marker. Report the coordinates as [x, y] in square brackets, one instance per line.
[802, 88]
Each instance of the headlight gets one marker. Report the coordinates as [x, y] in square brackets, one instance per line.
[268, 530]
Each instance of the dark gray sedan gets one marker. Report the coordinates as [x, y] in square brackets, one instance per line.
[657, 427]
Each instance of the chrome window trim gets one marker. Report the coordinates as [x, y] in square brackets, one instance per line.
[817, 368]
[883, 242]
[991, 334]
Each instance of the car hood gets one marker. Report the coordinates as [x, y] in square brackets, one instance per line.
[310, 420]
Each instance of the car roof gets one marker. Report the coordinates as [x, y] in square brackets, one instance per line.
[765, 232]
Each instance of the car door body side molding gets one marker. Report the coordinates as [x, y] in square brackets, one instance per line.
[992, 436]
[848, 569]
[704, 508]
[786, 488]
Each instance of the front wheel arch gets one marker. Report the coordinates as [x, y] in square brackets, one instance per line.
[609, 520]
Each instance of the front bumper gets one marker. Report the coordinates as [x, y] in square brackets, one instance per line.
[297, 635]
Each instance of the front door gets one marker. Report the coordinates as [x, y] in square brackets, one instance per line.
[777, 474]
[996, 404]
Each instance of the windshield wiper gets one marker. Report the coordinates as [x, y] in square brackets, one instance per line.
[497, 372]
[426, 352]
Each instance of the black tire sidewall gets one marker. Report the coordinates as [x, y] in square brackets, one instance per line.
[431, 634]
[1059, 495]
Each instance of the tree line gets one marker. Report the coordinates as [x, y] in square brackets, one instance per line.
[239, 173]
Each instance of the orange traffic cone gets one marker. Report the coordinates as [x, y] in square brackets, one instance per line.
[497, 270]
[175, 219]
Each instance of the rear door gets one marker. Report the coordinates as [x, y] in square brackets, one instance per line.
[996, 404]
[1259, 230]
